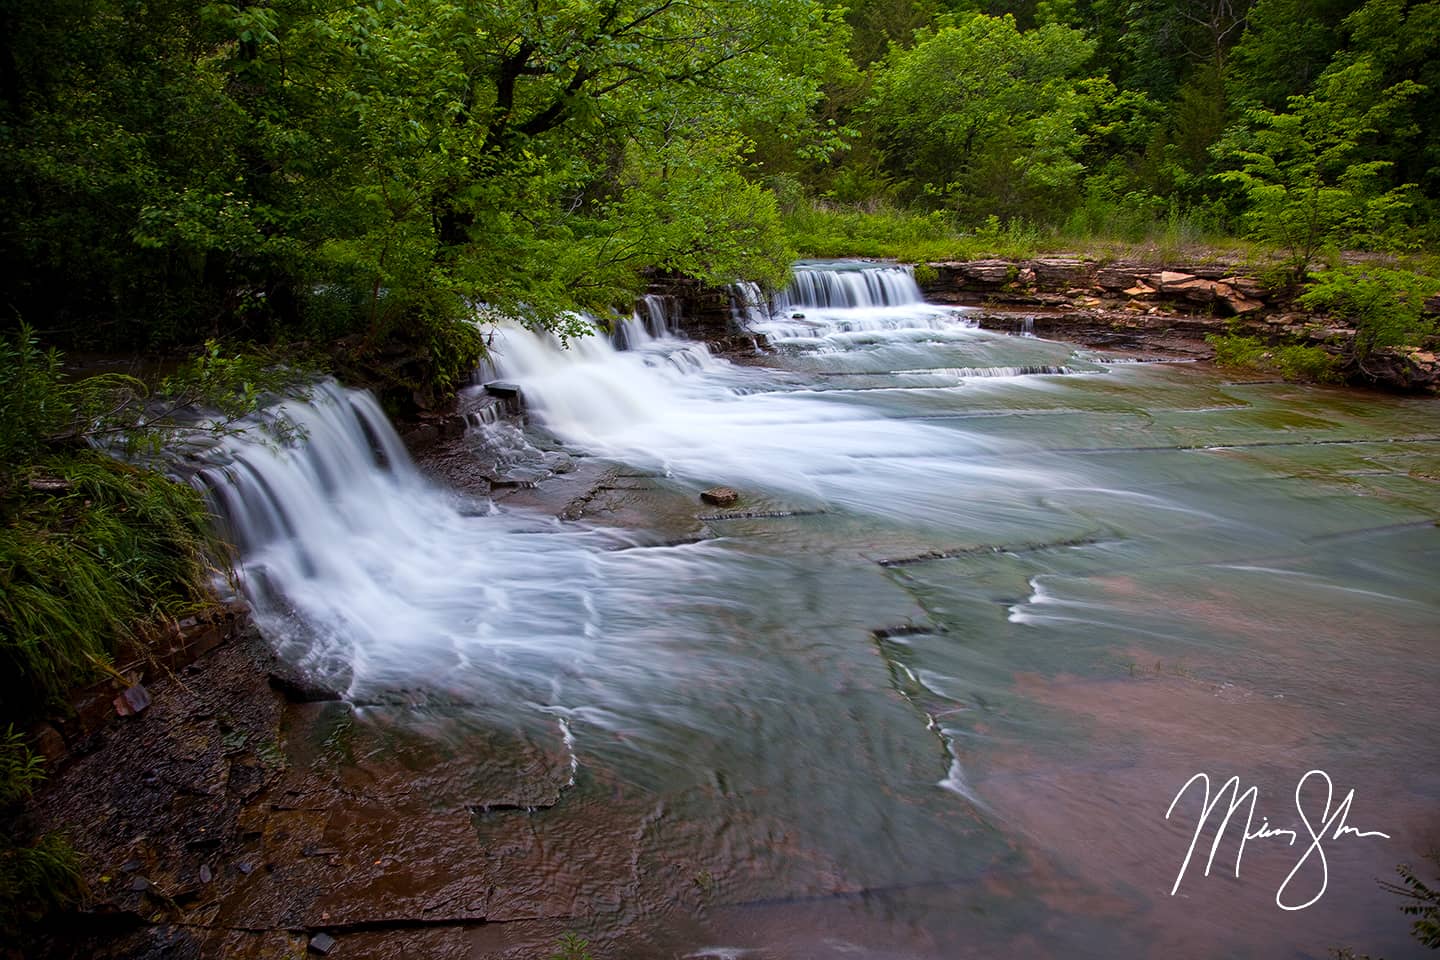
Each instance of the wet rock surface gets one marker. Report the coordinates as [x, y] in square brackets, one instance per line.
[248, 812]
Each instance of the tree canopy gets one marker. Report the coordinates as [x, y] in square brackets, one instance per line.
[366, 174]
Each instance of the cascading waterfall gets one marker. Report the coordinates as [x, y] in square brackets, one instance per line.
[344, 546]
[363, 573]
[831, 286]
[827, 302]
[748, 306]
[656, 316]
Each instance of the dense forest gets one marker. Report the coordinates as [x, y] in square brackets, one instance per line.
[322, 172]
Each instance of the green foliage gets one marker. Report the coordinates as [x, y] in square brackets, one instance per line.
[35, 879]
[1294, 361]
[369, 173]
[571, 946]
[1308, 179]
[830, 230]
[38, 877]
[365, 178]
[1383, 304]
[1423, 903]
[20, 769]
[92, 551]
[985, 118]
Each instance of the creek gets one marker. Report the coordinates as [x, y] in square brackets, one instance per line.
[986, 604]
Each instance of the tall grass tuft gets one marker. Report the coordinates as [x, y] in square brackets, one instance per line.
[93, 552]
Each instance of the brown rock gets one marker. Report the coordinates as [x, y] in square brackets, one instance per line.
[1170, 278]
[48, 743]
[135, 699]
[994, 272]
[1247, 287]
[1057, 270]
[1117, 277]
[720, 496]
[1237, 304]
[1201, 291]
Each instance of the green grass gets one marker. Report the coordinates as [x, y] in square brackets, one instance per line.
[101, 554]
[34, 877]
[94, 553]
[823, 230]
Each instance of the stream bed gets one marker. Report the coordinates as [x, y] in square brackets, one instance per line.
[985, 607]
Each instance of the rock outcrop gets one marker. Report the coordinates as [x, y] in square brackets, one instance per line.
[1170, 309]
[1072, 282]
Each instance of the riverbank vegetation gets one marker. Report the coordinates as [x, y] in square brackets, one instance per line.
[358, 176]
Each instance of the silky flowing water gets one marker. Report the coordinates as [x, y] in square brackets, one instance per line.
[928, 690]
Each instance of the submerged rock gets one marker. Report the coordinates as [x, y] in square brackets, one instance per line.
[300, 689]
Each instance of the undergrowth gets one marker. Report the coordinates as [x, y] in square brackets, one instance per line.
[1293, 361]
[822, 229]
[35, 877]
[93, 552]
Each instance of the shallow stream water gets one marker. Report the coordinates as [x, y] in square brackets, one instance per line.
[985, 607]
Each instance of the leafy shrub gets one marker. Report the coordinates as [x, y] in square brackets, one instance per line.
[1423, 903]
[571, 946]
[1292, 361]
[1383, 304]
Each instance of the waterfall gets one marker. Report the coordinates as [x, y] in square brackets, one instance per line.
[369, 577]
[748, 306]
[839, 285]
[655, 317]
[363, 573]
[828, 301]
[1031, 370]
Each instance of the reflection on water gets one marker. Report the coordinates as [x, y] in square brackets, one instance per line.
[929, 692]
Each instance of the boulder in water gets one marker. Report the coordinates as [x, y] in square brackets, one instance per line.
[503, 389]
[720, 496]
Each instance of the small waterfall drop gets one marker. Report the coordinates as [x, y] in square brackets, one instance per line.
[850, 285]
[655, 317]
[827, 301]
[363, 573]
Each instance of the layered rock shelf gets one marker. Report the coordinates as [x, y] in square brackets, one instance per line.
[1169, 309]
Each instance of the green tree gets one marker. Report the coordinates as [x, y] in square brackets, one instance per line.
[1306, 172]
[988, 119]
[1286, 46]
